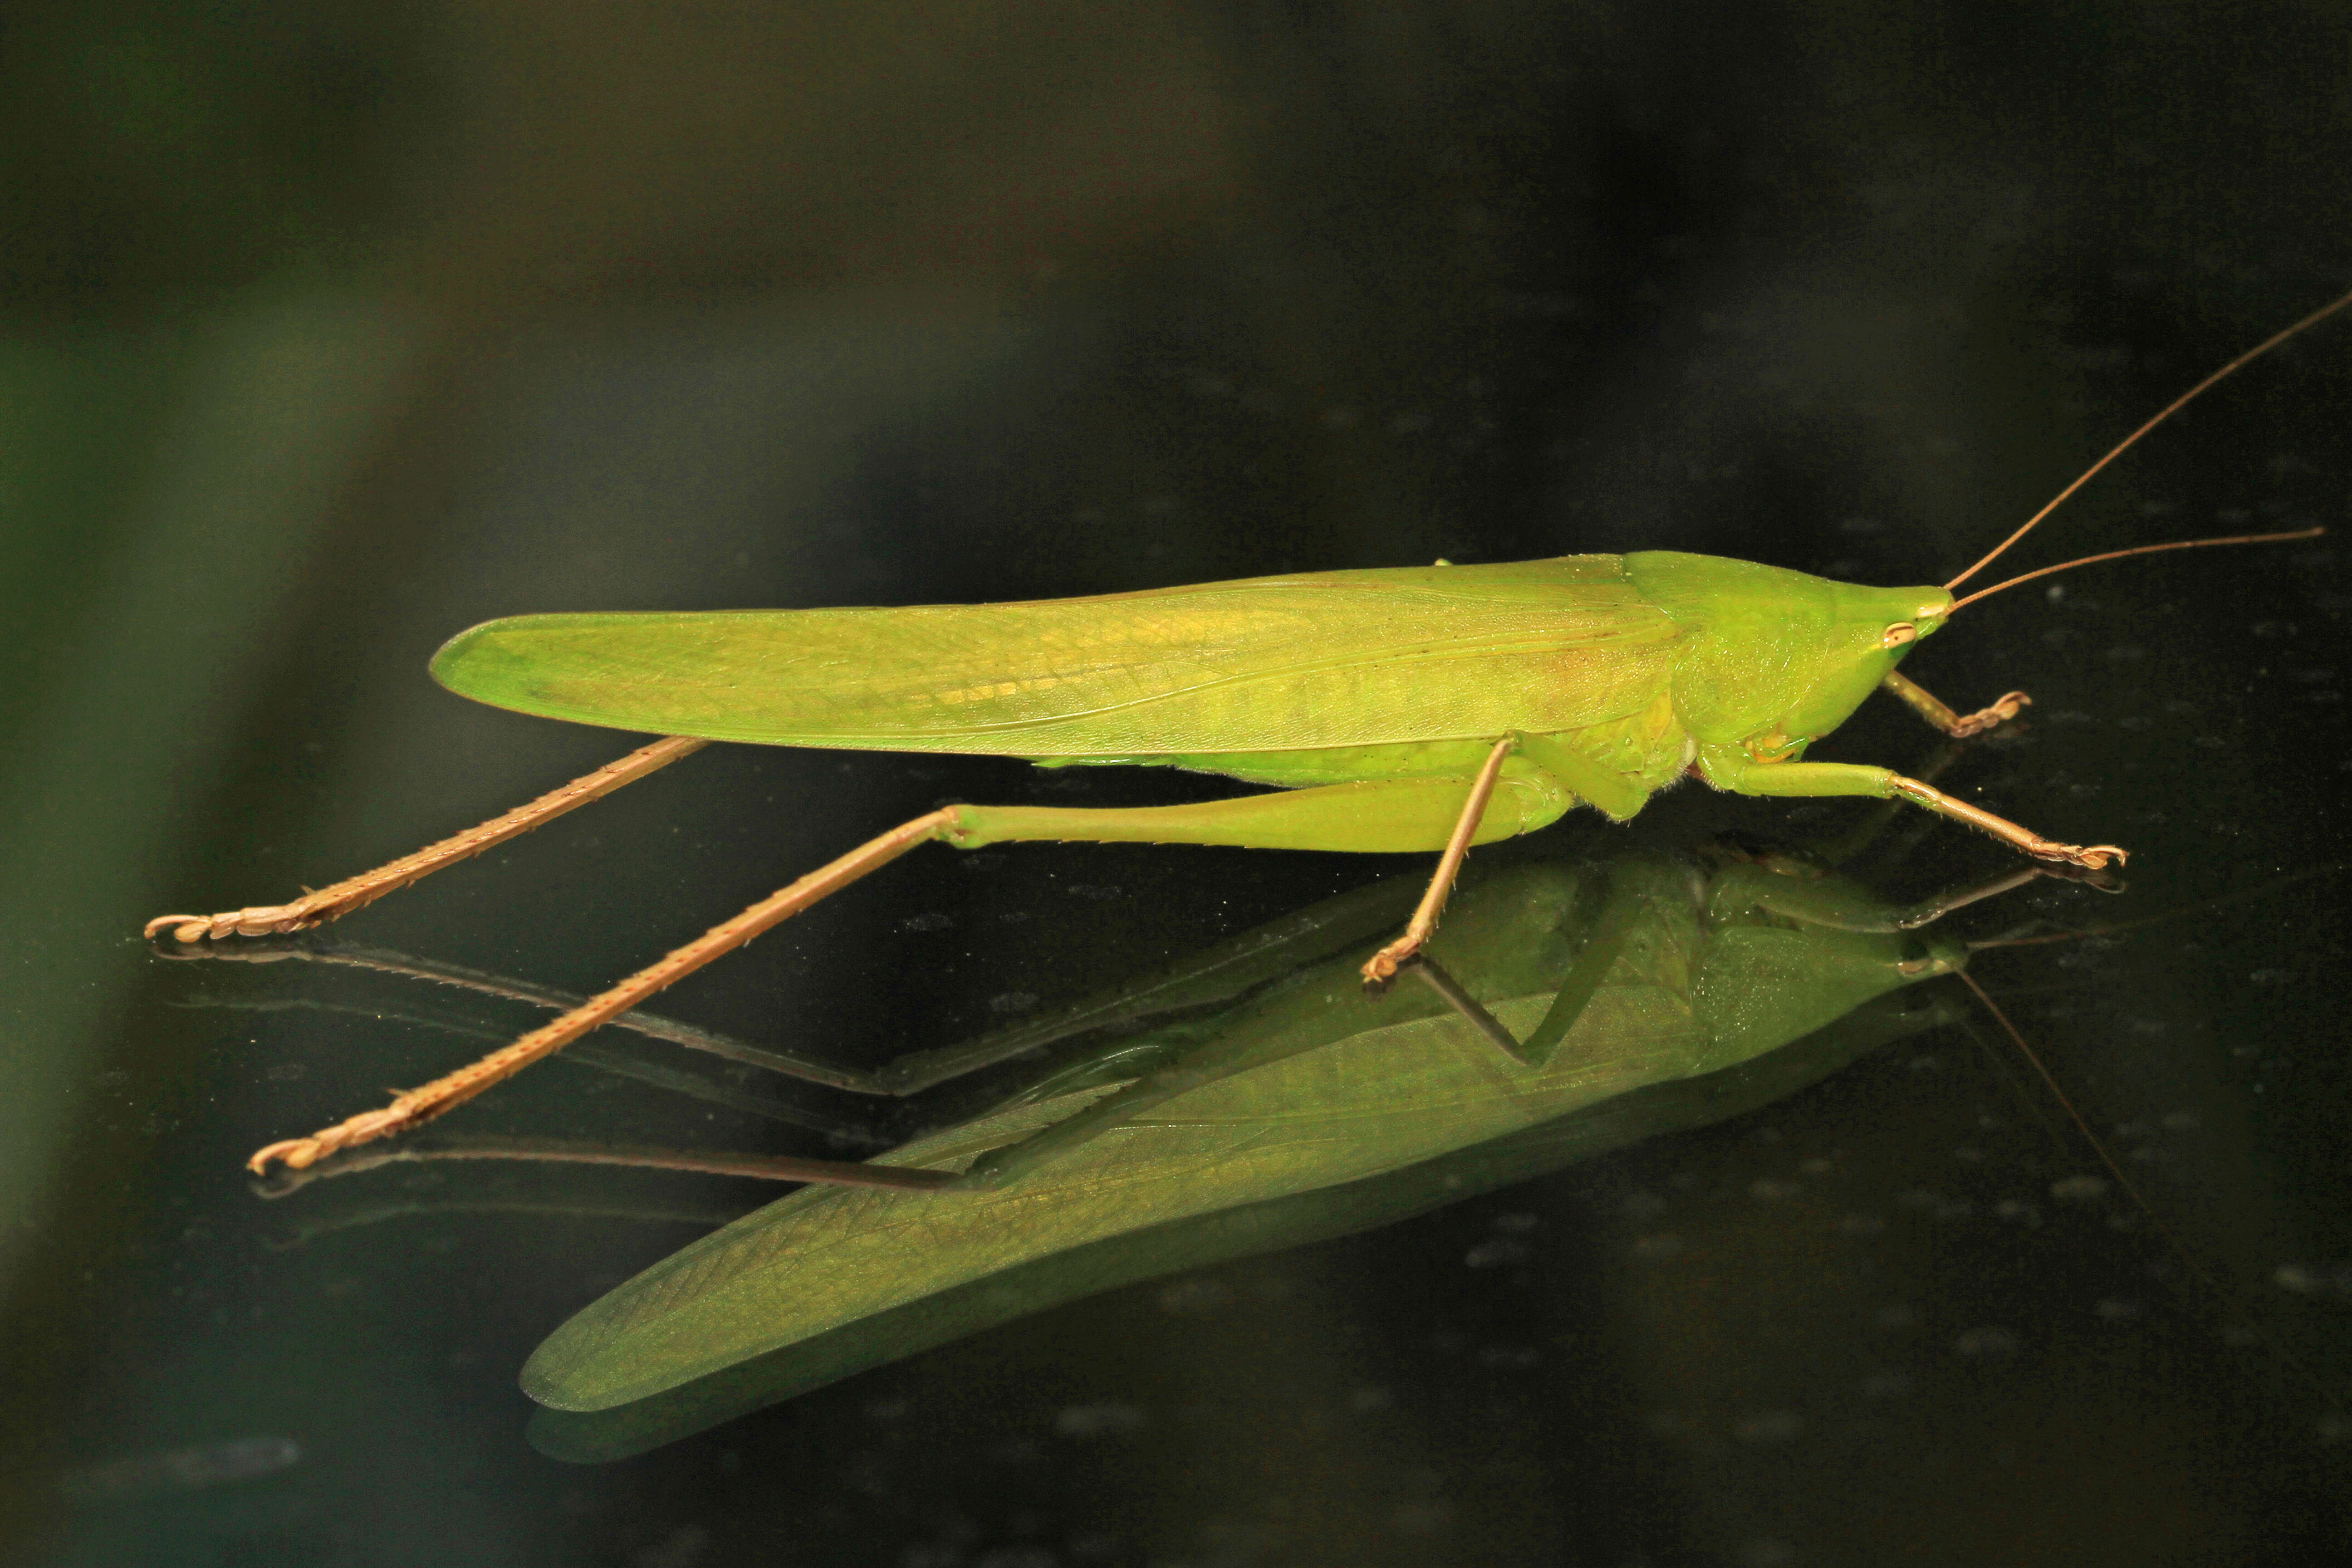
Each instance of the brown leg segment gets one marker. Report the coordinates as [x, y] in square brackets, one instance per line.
[418, 1105]
[1728, 767]
[355, 892]
[1391, 814]
[2094, 857]
[1959, 726]
[1381, 966]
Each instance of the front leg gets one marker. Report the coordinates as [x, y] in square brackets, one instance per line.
[1833, 905]
[1731, 768]
[1959, 726]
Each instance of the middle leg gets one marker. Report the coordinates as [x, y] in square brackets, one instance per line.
[1567, 770]
[1729, 767]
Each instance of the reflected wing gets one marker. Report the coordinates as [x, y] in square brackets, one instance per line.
[825, 1256]
[1341, 658]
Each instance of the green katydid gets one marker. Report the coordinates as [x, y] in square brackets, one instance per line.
[1401, 710]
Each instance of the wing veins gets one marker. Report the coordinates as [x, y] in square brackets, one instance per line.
[1463, 648]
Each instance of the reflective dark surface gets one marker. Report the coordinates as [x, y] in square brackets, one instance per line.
[886, 308]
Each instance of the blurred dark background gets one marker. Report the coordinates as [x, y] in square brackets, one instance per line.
[326, 332]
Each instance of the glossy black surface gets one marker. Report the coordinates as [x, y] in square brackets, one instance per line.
[890, 308]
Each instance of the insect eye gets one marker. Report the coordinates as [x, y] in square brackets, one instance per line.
[1898, 633]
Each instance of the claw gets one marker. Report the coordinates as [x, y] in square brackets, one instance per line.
[1991, 718]
[260, 920]
[1382, 966]
[296, 1153]
[2096, 858]
[301, 1154]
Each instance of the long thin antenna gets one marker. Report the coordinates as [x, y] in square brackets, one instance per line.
[2090, 1137]
[2313, 533]
[2170, 409]
[2227, 1299]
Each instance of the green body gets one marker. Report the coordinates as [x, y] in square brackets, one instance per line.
[1302, 1086]
[1619, 672]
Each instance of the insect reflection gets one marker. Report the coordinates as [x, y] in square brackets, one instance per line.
[1270, 1101]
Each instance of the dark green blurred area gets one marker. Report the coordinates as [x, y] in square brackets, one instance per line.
[327, 331]
[154, 155]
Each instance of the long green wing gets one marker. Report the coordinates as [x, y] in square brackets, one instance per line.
[1339, 658]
